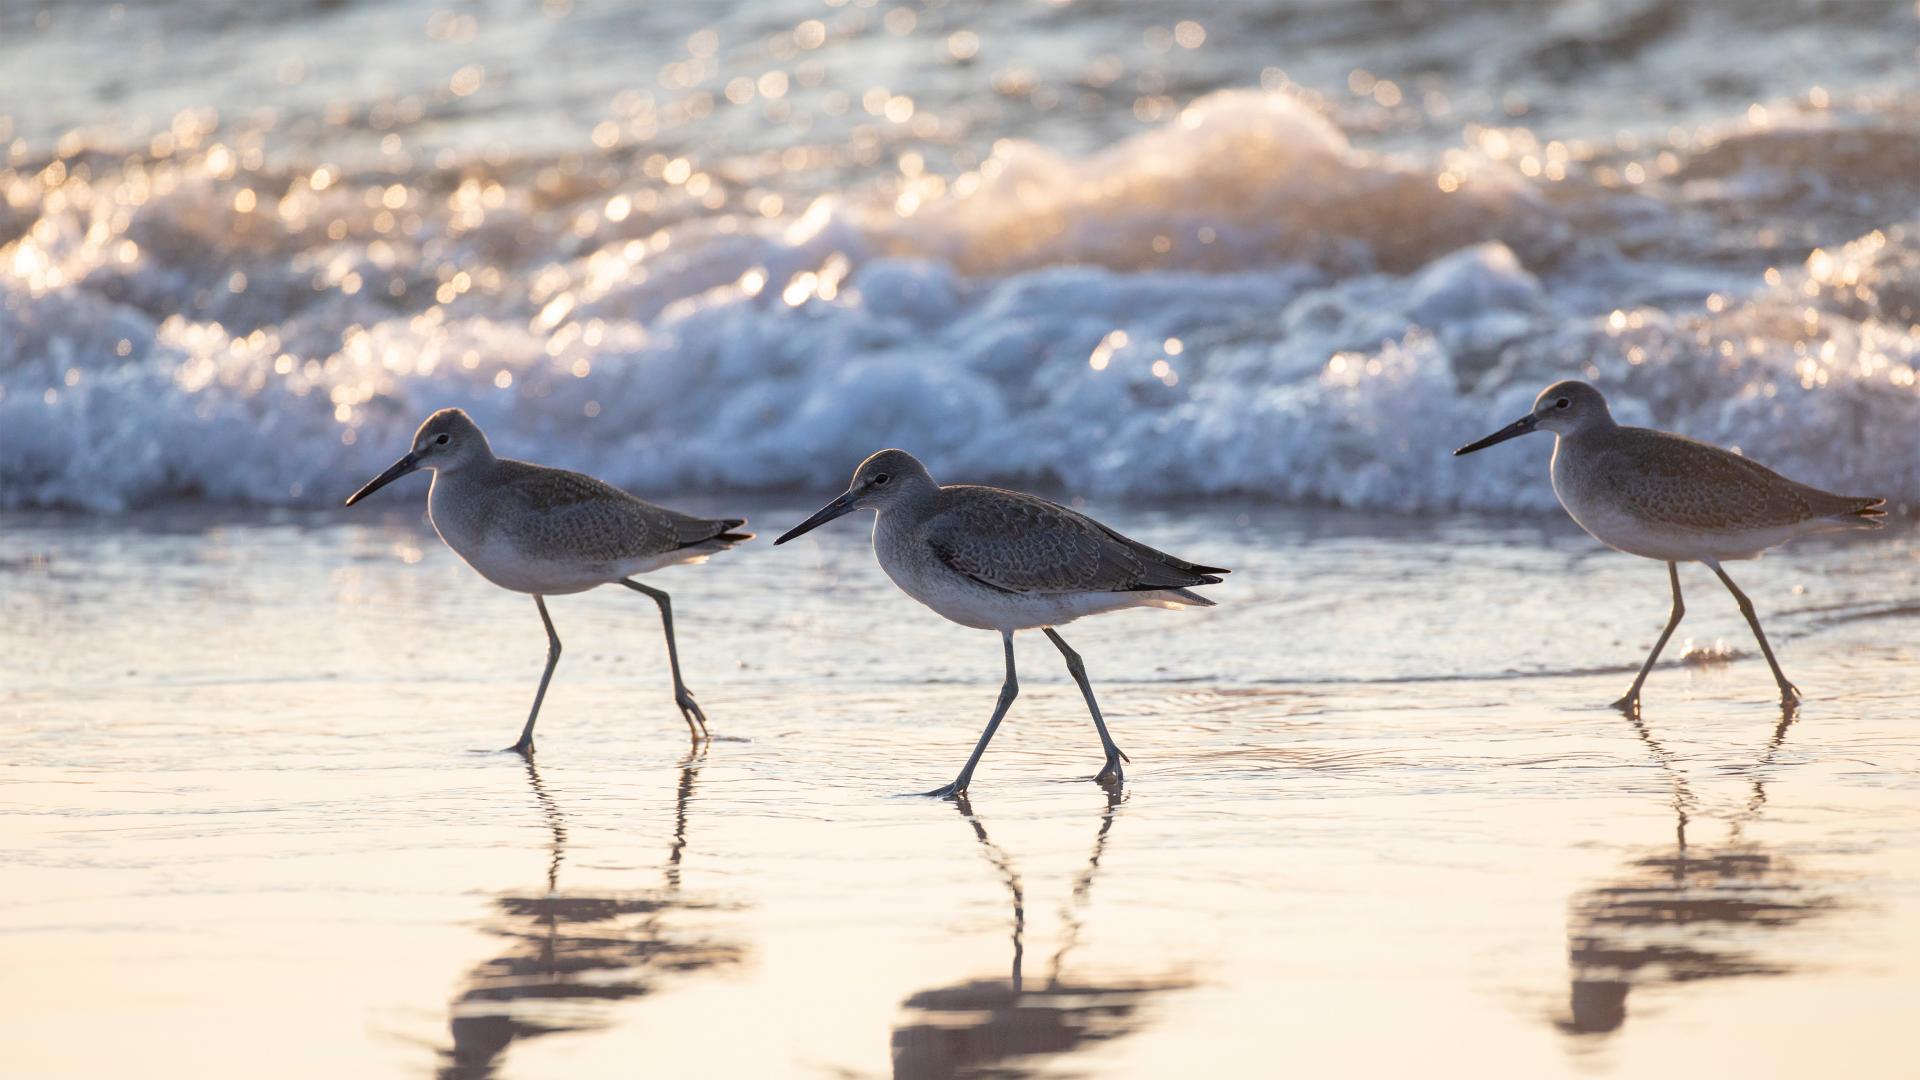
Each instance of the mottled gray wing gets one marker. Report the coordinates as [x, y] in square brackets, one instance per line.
[1020, 543]
[595, 520]
[1674, 480]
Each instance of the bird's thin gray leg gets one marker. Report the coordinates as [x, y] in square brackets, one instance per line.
[1789, 693]
[525, 745]
[1112, 775]
[1631, 703]
[683, 697]
[1008, 691]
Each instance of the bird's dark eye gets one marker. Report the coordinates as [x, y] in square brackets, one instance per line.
[881, 479]
[443, 437]
[1562, 403]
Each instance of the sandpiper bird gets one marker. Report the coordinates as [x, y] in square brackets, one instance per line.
[1668, 497]
[547, 532]
[1000, 560]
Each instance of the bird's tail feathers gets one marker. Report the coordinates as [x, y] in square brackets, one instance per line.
[1861, 512]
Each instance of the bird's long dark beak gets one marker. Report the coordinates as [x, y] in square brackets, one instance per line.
[1512, 431]
[834, 509]
[394, 472]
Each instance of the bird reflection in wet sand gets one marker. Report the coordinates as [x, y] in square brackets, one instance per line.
[1002, 1028]
[1683, 914]
[569, 957]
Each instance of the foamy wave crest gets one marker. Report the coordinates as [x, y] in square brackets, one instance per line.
[1237, 303]
[1238, 178]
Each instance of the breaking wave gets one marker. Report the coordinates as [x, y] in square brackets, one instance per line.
[1238, 301]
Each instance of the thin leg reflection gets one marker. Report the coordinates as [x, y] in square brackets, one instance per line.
[569, 957]
[1681, 913]
[1001, 1028]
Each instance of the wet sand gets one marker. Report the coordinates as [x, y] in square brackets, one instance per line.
[1378, 820]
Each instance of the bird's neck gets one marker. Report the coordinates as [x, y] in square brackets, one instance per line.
[1595, 429]
[919, 497]
[906, 508]
[475, 464]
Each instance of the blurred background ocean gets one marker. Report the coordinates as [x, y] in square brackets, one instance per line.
[1293, 250]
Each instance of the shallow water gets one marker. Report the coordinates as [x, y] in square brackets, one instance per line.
[1377, 821]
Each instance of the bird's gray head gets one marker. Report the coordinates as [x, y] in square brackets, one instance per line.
[449, 440]
[1568, 407]
[888, 478]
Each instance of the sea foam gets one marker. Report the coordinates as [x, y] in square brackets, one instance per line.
[1237, 302]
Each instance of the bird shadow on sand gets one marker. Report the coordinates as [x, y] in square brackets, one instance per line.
[1687, 913]
[1004, 1028]
[568, 958]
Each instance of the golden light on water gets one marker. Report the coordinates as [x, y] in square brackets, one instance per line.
[598, 242]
